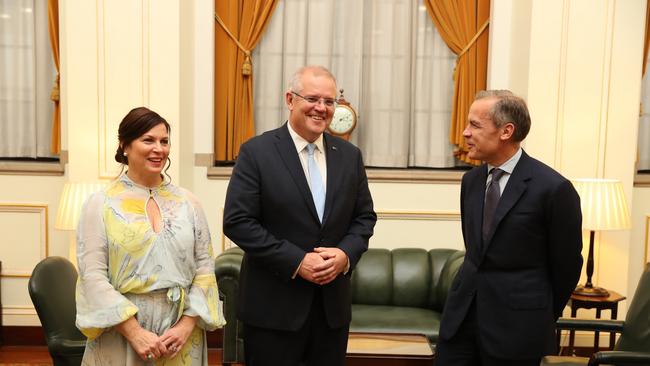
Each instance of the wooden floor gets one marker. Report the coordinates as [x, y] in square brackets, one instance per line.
[38, 356]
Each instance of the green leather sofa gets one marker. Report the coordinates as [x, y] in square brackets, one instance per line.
[395, 291]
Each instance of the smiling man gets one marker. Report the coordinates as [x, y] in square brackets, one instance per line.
[298, 204]
[521, 223]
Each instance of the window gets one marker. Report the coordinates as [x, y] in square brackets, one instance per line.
[27, 74]
[387, 56]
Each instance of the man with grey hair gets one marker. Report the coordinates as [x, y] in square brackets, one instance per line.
[521, 224]
[298, 204]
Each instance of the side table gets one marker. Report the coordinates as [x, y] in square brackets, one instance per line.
[599, 303]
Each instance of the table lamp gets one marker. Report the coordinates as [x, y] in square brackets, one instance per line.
[72, 199]
[603, 208]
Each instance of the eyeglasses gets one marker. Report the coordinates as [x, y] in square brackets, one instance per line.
[329, 102]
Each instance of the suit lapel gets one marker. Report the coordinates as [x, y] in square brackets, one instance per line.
[287, 149]
[334, 163]
[517, 184]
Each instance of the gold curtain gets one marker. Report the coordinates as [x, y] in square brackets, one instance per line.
[239, 26]
[463, 26]
[53, 26]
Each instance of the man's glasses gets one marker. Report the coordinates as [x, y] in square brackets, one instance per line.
[329, 102]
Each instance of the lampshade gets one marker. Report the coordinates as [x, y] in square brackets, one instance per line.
[603, 204]
[73, 197]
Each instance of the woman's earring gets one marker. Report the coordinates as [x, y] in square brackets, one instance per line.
[124, 153]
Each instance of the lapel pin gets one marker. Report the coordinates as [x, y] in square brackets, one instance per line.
[334, 148]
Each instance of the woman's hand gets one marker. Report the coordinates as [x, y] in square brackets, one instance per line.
[175, 337]
[145, 343]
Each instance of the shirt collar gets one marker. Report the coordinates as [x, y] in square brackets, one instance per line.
[301, 143]
[508, 166]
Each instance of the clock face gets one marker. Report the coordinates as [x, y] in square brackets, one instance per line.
[343, 120]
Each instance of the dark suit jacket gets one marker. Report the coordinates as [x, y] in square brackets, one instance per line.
[269, 212]
[527, 268]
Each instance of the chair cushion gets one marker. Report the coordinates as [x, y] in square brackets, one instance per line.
[395, 319]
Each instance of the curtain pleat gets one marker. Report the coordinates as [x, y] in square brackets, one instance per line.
[246, 21]
[458, 22]
[53, 25]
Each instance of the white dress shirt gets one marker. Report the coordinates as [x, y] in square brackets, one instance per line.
[319, 155]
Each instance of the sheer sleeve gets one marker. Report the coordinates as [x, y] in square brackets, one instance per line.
[99, 304]
[203, 299]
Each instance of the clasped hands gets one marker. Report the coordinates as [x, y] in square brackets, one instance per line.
[323, 265]
[149, 346]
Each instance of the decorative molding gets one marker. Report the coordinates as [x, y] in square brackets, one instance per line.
[41, 209]
[418, 215]
[18, 310]
[102, 128]
[605, 88]
[413, 175]
[561, 94]
[8, 167]
[375, 175]
[646, 246]
[146, 51]
[641, 179]
[219, 172]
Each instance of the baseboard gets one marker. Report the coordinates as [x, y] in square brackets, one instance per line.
[22, 335]
[14, 335]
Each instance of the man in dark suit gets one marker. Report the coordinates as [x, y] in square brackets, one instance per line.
[298, 203]
[521, 223]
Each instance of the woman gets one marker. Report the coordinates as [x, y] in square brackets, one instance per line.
[146, 291]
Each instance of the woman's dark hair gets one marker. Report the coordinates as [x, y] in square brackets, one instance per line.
[135, 124]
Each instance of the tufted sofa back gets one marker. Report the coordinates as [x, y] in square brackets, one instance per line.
[412, 277]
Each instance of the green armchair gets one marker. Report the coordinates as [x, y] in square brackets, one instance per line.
[393, 291]
[52, 290]
[633, 346]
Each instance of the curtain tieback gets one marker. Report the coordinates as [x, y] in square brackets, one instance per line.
[55, 94]
[470, 44]
[247, 67]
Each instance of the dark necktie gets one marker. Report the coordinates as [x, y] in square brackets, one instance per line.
[492, 196]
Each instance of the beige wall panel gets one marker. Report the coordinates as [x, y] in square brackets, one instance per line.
[123, 71]
[619, 148]
[545, 78]
[79, 70]
[582, 118]
[639, 250]
[416, 196]
[414, 229]
[34, 190]
[25, 234]
[17, 307]
[164, 69]
[509, 46]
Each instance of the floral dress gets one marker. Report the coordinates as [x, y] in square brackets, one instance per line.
[127, 269]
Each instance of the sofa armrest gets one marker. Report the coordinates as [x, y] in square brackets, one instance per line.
[446, 278]
[594, 325]
[226, 269]
[618, 357]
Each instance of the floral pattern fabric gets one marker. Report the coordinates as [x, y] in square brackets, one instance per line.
[126, 268]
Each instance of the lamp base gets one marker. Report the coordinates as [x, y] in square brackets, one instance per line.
[590, 291]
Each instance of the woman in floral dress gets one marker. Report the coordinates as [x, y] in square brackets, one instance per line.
[147, 291]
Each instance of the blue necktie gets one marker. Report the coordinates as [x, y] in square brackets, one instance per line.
[316, 182]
